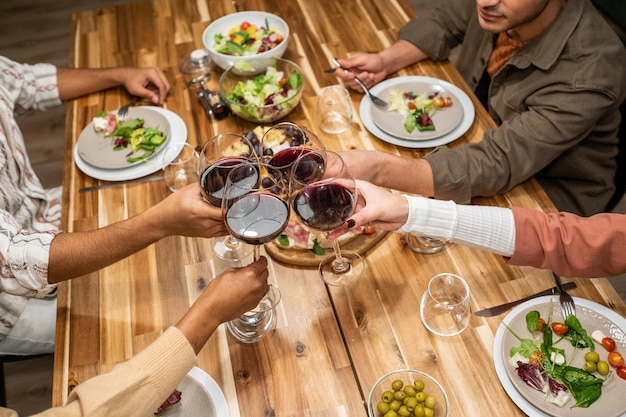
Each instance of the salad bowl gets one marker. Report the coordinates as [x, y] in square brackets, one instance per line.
[265, 93]
[234, 39]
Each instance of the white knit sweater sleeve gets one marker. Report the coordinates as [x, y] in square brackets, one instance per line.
[482, 227]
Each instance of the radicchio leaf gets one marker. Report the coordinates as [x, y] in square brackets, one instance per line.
[531, 375]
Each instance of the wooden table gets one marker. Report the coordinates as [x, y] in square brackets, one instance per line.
[330, 344]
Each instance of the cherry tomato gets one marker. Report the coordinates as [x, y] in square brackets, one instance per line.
[559, 328]
[616, 359]
[282, 81]
[411, 105]
[244, 25]
[608, 343]
[537, 358]
[368, 230]
[621, 372]
[540, 324]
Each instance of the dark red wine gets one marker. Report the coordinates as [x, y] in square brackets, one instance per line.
[257, 218]
[310, 165]
[324, 206]
[213, 178]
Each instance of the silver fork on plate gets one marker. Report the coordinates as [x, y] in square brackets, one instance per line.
[378, 102]
[567, 302]
[122, 112]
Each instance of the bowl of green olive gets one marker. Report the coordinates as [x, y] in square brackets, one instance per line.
[407, 393]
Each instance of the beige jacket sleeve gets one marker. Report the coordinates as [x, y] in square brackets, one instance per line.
[136, 387]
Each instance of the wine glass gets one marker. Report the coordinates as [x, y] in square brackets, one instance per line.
[219, 155]
[254, 324]
[424, 244]
[255, 203]
[324, 201]
[283, 143]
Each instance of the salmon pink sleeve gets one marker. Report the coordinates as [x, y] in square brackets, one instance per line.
[570, 245]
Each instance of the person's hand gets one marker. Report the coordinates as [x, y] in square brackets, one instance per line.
[236, 290]
[375, 207]
[149, 83]
[227, 297]
[368, 67]
[186, 213]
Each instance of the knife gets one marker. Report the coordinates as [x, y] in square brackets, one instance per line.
[497, 310]
[120, 183]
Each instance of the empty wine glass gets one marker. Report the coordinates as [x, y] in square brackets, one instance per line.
[324, 201]
[219, 155]
[255, 203]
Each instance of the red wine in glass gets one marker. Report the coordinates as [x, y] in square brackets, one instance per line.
[257, 218]
[324, 207]
[310, 165]
[213, 178]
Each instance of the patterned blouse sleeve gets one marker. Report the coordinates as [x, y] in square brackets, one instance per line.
[24, 259]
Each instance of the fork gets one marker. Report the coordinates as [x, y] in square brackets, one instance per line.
[378, 102]
[567, 302]
[122, 112]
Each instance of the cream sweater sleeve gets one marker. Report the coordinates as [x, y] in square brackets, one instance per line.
[136, 387]
[482, 227]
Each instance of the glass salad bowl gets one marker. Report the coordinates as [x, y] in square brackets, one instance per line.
[265, 92]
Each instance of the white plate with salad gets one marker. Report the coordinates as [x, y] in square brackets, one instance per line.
[200, 396]
[366, 109]
[418, 110]
[178, 134]
[592, 316]
[110, 143]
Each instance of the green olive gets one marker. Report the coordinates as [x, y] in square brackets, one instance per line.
[394, 405]
[403, 411]
[428, 412]
[410, 390]
[382, 407]
[419, 385]
[603, 368]
[390, 413]
[592, 357]
[430, 402]
[419, 411]
[421, 396]
[399, 395]
[387, 396]
[397, 385]
[590, 366]
[410, 402]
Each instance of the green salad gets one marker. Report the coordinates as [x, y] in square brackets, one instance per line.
[267, 97]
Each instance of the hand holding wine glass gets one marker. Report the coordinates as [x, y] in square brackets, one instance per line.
[324, 201]
[219, 155]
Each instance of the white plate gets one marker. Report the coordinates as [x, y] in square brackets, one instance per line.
[178, 135]
[97, 150]
[612, 324]
[200, 396]
[466, 122]
[444, 119]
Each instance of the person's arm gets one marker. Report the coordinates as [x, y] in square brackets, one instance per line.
[373, 68]
[139, 386]
[571, 245]
[181, 213]
[391, 171]
[149, 83]
[482, 227]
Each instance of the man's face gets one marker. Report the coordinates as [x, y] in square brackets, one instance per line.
[502, 15]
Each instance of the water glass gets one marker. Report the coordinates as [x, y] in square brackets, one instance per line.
[334, 109]
[180, 163]
[445, 306]
[424, 244]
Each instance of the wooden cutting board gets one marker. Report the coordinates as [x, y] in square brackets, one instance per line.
[302, 257]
